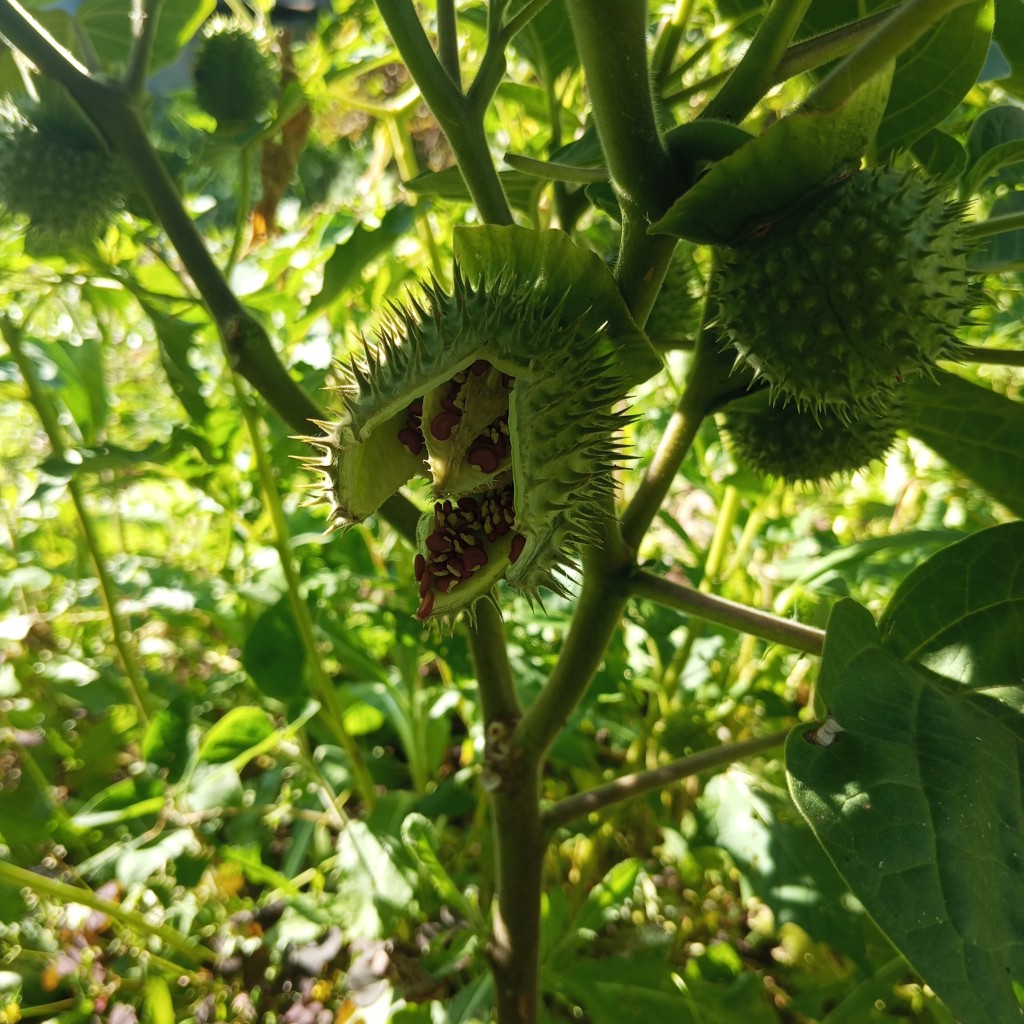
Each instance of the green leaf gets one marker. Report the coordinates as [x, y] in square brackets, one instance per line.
[273, 654]
[917, 800]
[1009, 34]
[777, 170]
[547, 42]
[238, 731]
[177, 341]
[974, 429]
[79, 382]
[935, 74]
[363, 246]
[561, 268]
[995, 141]
[420, 840]
[940, 155]
[109, 27]
[961, 613]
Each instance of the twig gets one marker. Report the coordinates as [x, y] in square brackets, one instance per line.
[630, 786]
[727, 613]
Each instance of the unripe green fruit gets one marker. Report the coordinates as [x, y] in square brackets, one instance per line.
[235, 79]
[836, 305]
[59, 175]
[796, 446]
[675, 316]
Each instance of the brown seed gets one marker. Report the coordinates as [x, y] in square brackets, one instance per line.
[438, 543]
[484, 457]
[446, 583]
[518, 543]
[473, 558]
[480, 367]
[426, 606]
[412, 439]
[425, 583]
[469, 505]
[419, 566]
[442, 425]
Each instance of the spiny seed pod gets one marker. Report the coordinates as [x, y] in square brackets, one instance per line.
[56, 172]
[782, 441]
[235, 78]
[835, 305]
[505, 402]
[676, 314]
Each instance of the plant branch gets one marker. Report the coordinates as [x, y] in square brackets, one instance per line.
[994, 356]
[20, 878]
[460, 117]
[993, 226]
[498, 700]
[631, 786]
[611, 37]
[448, 41]
[551, 171]
[896, 34]
[145, 21]
[812, 53]
[517, 23]
[727, 613]
[754, 75]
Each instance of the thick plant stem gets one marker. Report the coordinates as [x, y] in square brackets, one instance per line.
[892, 37]
[754, 75]
[498, 700]
[630, 786]
[994, 356]
[135, 680]
[460, 118]
[727, 613]
[811, 53]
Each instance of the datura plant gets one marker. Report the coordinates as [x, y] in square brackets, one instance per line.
[504, 393]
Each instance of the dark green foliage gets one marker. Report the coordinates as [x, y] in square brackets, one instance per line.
[837, 304]
[234, 77]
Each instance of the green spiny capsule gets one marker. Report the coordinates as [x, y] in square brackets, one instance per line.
[801, 446]
[235, 79]
[877, 276]
[505, 404]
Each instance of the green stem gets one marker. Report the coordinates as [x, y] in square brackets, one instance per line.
[498, 700]
[709, 380]
[993, 226]
[812, 53]
[20, 878]
[526, 14]
[631, 786]
[995, 356]
[754, 75]
[670, 34]
[551, 171]
[145, 21]
[448, 41]
[135, 679]
[896, 34]
[725, 520]
[460, 117]
[727, 613]
[242, 212]
[611, 38]
[323, 687]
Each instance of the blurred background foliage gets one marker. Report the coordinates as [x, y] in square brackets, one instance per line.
[188, 665]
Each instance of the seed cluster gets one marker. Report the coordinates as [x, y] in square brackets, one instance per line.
[456, 548]
[411, 435]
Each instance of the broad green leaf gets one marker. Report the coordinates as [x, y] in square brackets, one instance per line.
[961, 613]
[232, 735]
[109, 27]
[935, 74]
[974, 429]
[274, 656]
[547, 42]
[363, 246]
[177, 341]
[1009, 34]
[940, 155]
[78, 371]
[563, 271]
[777, 170]
[995, 141]
[917, 800]
[420, 839]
